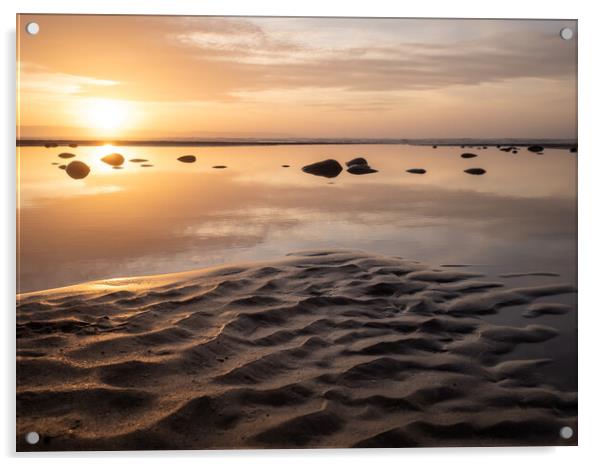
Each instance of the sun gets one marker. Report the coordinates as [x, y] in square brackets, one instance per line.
[107, 115]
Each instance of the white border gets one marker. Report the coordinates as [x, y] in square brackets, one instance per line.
[590, 259]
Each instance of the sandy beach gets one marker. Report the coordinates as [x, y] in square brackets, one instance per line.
[317, 349]
[295, 232]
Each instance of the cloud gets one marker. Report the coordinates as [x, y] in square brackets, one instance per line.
[274, 59]
[36, 78]
[309, 76]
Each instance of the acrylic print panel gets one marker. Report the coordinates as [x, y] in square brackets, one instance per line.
[257, 232]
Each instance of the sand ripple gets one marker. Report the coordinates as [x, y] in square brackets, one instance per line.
[319, 349]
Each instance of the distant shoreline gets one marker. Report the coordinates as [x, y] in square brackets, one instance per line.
[549, 143]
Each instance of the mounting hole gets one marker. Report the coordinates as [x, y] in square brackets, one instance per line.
[32, 28]
[566, 432]
[566, 33]
[32, 438]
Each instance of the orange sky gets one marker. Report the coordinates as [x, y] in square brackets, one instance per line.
[161, 77]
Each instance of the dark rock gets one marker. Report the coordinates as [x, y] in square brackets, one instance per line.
[573, 149]
[187, 159]
[72, 145]
[285, 166]
[54, 163]
[475, 171]
[361, 169]
[357, 161]
[138, 160]
[468, 155]
[62, 167]
[417, 171]
[434, 147]
[117, 168]
[77, 170]
[515, 152]
[66, 155]
[113, 159]
[147, 165]
[220, 166]
[329, 168]
[535, 149]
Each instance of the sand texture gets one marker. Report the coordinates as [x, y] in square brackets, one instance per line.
[318, 349]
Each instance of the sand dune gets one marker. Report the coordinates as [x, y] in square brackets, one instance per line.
[319, 349]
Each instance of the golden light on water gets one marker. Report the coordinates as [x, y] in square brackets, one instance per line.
[96, 163]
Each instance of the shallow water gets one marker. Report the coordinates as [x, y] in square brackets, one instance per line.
[518, 217]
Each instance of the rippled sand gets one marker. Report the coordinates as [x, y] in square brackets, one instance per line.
[318, 349]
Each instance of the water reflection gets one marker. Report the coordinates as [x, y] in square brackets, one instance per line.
[521, 216]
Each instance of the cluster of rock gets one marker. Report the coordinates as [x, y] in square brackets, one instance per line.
[75, 169]
[359, 166]
[79, 170]
[331, 168]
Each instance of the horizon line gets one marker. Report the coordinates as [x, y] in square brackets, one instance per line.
[207, 142]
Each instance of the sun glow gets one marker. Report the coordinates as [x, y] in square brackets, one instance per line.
[107, 115]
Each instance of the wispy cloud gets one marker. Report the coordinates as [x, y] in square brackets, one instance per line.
[387, 63]
[36, 78]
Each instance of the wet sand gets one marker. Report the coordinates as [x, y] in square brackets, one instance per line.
[317, 349]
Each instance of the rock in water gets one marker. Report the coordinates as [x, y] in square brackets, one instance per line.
[72, 145]
[113, 159]
[329, 168]
[77, 170]
[417, 171]
[468, 155]
[285, 166]
[357, 161]
[573, 149]
[361, 169]
[220, 166]
[138, 160]
[66, 155]
[187, 159]
[535, 149]
[475, 171]
[146, 165]
[62, 167]
[434, 147]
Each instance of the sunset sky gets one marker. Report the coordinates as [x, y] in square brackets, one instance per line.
[162, 77]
